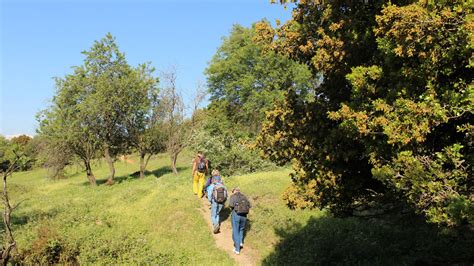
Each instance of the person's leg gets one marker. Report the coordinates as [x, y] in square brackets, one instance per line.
[200, 184]
[243, 221]
[235, 229]
[214, 213]
[219, 209]
[195, 183]
[238, 237]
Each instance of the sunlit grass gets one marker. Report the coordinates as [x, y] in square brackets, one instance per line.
[150, 220]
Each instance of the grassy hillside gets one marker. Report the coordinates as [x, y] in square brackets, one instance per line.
[154, 220]
[157, 220]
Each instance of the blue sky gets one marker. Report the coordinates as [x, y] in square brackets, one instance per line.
[44, 39]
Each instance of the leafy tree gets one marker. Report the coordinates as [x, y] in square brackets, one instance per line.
[143, 124]
[65, 123]
[54, 155]
[112, 89]
[104, 105]
[22, 145]
[244, 82]
[393, 113]
[21, 140]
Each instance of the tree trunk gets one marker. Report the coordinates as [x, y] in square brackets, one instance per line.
[142, 164]
[174, 158]
[90, 175]
[147, 160]
[10, 241]
[110, 162]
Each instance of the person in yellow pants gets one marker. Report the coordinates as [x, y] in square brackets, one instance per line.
[200, 170]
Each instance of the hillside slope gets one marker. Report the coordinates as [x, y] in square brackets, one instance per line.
[154, 220]
[158, 220]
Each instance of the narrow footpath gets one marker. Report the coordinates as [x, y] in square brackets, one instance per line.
[223, 239]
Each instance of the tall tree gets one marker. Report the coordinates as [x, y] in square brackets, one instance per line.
[244, 82]
[144, 121]
[65, 123]
[112, 86]
[177, 129]
[97, 106]
[394, 110]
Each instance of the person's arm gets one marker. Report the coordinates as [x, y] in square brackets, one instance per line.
[207, 166]
[194, 167]
[209, 192]
[232, 202]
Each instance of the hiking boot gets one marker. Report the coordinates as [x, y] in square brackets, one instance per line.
[241, 245]
[216, 229]
[236, 252]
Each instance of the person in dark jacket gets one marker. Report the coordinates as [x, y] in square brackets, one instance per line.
[240, 207]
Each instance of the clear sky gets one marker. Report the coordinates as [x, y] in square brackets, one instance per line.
[44, 39]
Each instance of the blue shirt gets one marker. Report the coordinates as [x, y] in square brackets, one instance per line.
[210, 188]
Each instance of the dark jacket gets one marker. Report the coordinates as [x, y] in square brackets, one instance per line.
[234, 199]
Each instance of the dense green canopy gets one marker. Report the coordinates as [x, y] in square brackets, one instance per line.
[394, 112]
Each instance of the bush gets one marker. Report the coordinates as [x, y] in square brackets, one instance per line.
[230, 154]
[48, 248]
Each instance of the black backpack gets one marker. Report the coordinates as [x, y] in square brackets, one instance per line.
[242, 206]
[201, 166]
[219, 193]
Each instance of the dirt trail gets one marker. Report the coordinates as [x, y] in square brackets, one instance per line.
[223, 239]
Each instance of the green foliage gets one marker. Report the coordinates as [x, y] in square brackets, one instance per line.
[229, 154]
[104, 106]
[244, 82]
[227, 147]
[20, 145]
[15, 151]
[393, 112]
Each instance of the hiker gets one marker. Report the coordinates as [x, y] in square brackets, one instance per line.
[217, 196]
[200, 170]
[208, 182]
[240, 208]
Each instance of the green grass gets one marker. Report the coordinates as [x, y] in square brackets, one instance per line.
[154, 220]
[304, 237]
[157, 220]
[269, 210]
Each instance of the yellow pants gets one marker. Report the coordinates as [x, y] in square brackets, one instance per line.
[198, 183]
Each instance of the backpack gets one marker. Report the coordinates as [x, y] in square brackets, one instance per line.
[201, 166]
[219, 193]
[242, 206]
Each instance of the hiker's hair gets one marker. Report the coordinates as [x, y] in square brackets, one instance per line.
[215, 172]
[235, 190]
[200, 152]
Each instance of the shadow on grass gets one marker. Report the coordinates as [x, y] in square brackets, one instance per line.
[136, 175]
[117, 179]
[20, 218]
[166, 170]
[352, 240]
